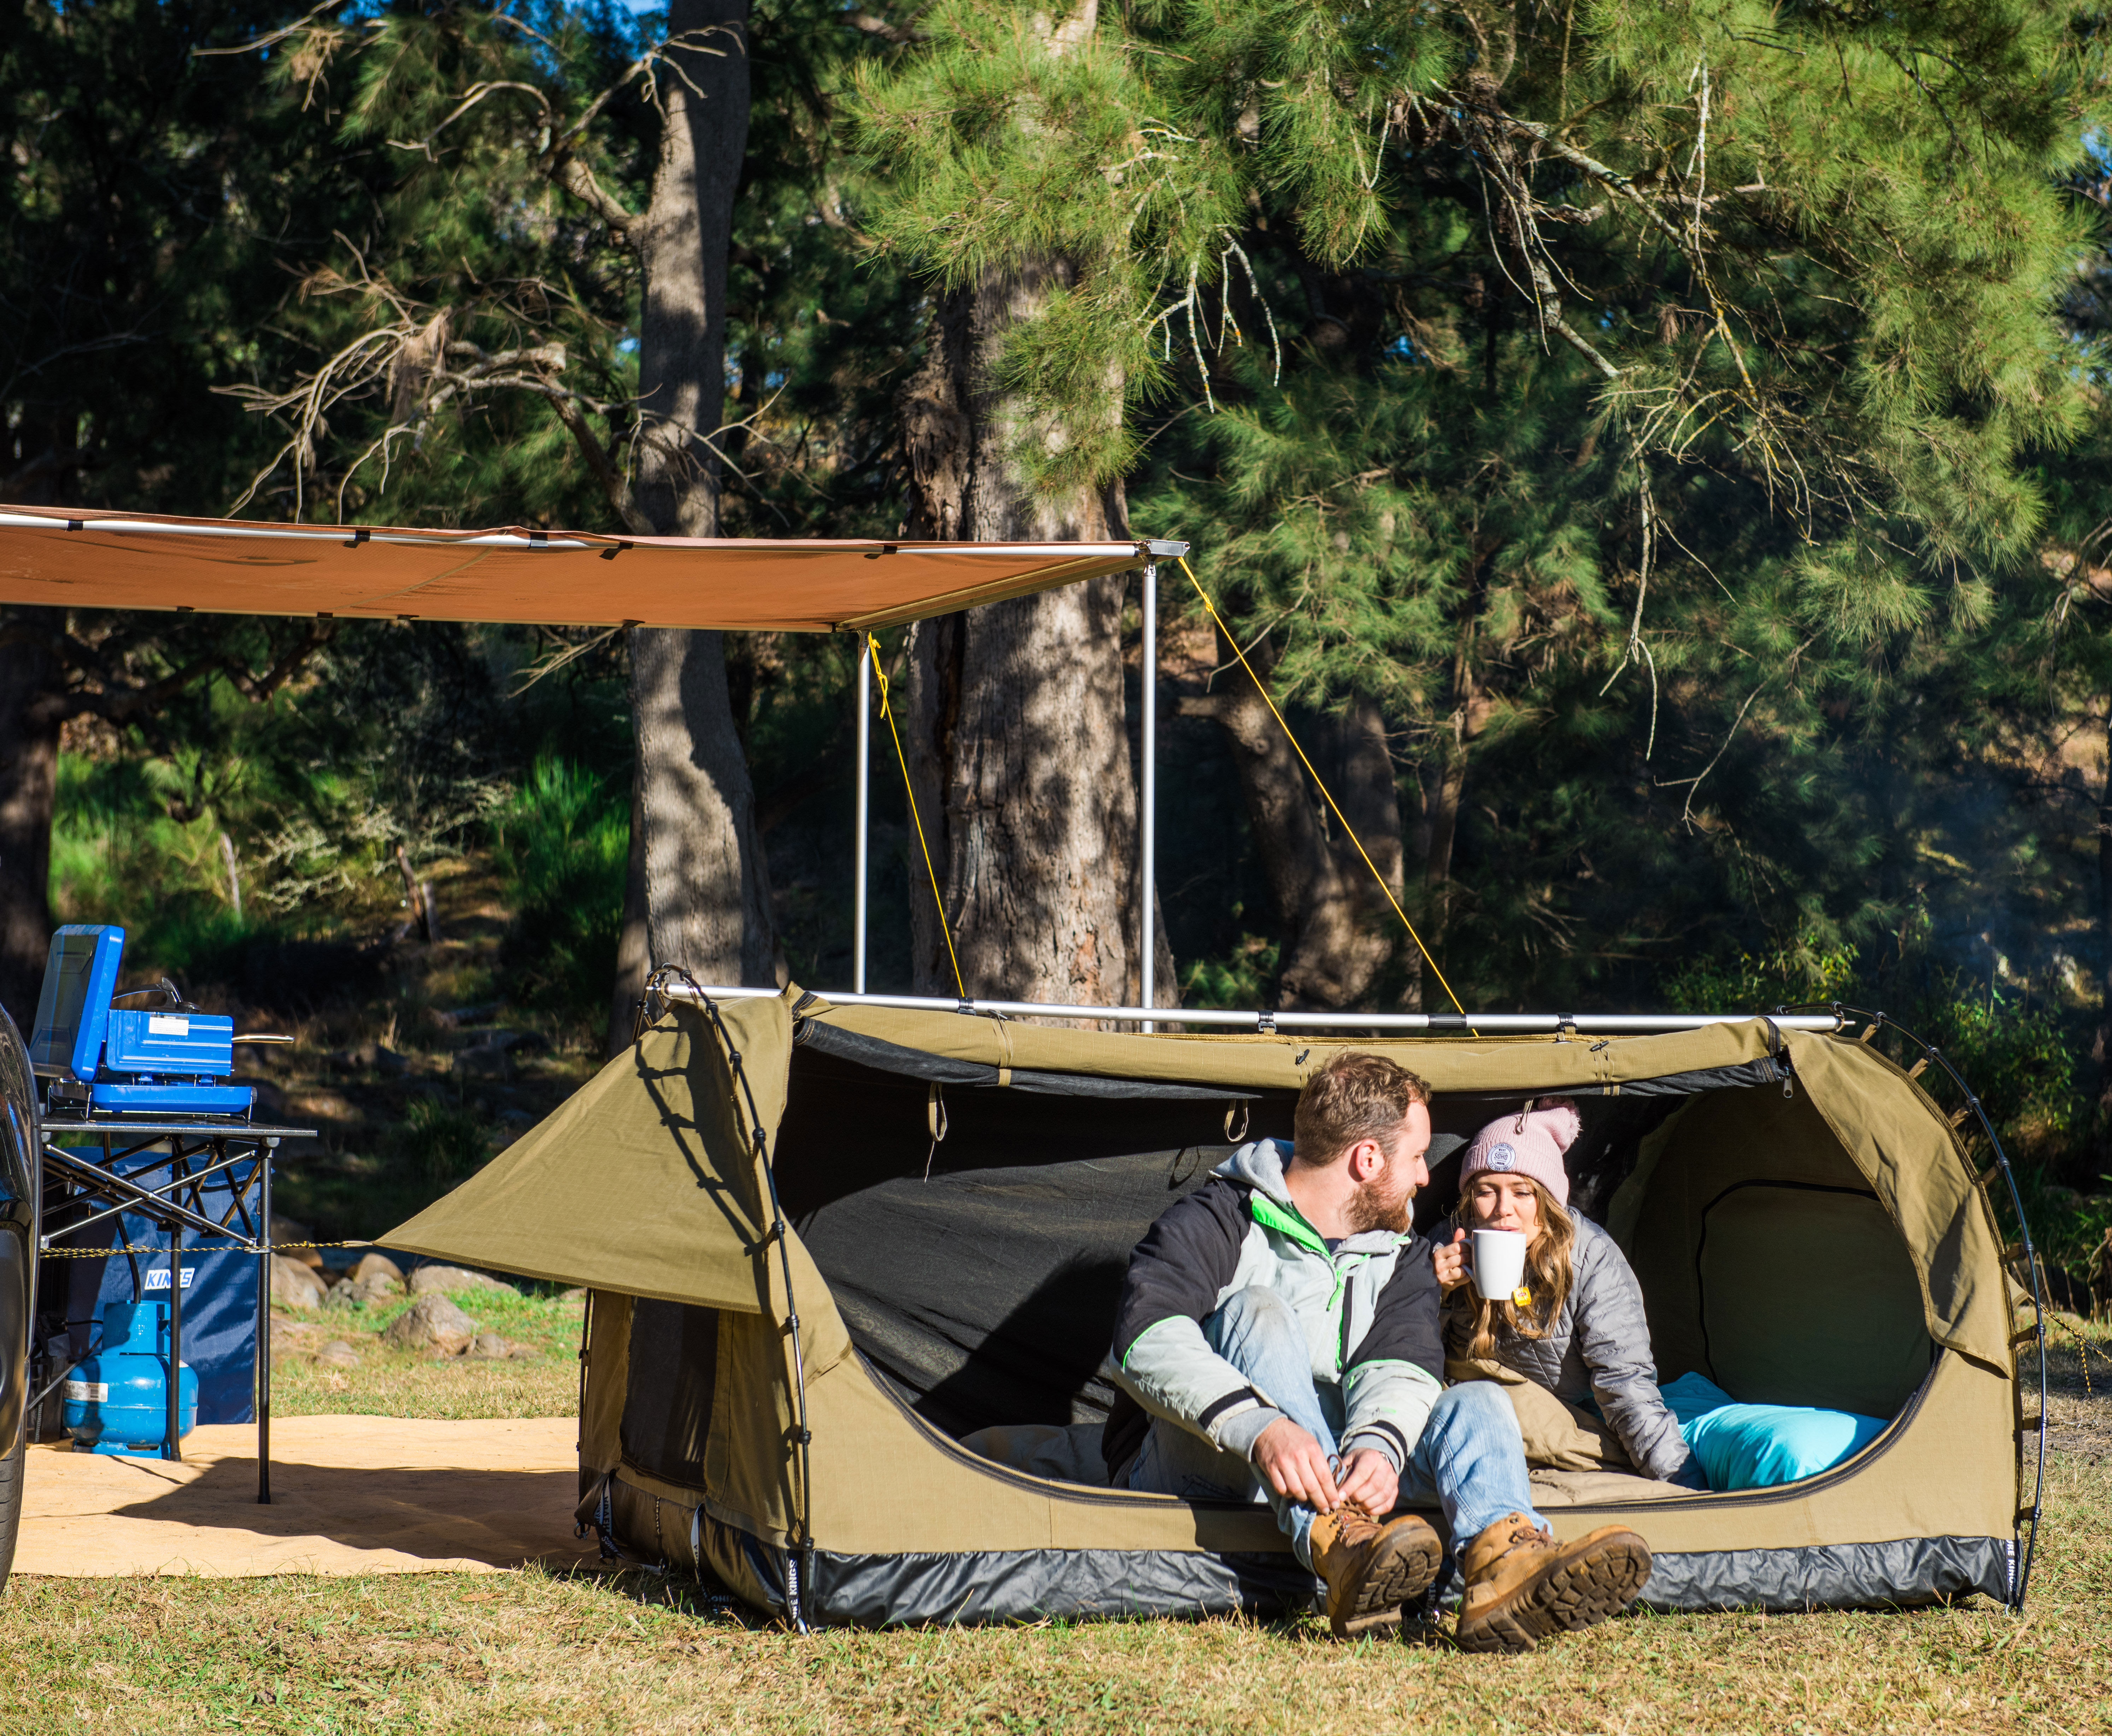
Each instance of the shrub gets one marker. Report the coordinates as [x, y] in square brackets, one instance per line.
[563, 842]
[444, 1142]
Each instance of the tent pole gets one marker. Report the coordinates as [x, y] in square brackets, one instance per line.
[864, 799]
[1145, 926]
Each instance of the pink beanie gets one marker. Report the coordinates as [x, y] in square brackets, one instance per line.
[1527, 1143]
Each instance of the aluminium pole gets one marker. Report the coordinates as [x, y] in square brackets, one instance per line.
[864, 799]
[1145, 926]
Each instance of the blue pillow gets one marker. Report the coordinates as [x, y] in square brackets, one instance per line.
[1692, 1396]
[1758, 1447]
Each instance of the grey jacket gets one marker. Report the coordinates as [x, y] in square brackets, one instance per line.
[1369, 1310]
[1598, 1351]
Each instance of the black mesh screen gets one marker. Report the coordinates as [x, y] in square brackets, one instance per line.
[667, 1395]
[986, 1290]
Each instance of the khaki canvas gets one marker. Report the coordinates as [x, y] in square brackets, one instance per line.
[1820, 1239]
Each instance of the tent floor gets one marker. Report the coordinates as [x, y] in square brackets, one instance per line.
[349, 1495]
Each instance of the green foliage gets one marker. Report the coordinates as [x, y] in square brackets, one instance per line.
[2068, 1229]
[443, 1141]
[563, 842]
[1246, 979]
[1799, 269]
[2021, 1063]
[1802, 970]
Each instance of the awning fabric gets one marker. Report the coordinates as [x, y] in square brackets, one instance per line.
[83, 559]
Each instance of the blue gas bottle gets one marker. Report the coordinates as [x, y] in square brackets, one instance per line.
[118, 1400]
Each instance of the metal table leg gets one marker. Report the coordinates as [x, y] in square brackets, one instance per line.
[264, 1322]
[173, 1446]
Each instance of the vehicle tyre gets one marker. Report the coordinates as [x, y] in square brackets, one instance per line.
[12, 1471]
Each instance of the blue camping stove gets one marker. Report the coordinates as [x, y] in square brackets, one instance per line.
[102, 1060]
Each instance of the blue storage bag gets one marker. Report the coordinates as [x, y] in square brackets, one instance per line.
[219, 1293]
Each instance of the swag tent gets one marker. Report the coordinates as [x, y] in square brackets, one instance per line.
[851, 1367]
[853, 1262]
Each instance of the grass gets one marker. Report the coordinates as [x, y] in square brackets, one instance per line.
[630, 1652]
[397, 1382]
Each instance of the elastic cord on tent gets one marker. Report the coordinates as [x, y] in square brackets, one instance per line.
[802, 1438]
[887, 712]
[1322, 783]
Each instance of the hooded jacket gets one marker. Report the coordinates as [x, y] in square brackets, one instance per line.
[1369, 1309]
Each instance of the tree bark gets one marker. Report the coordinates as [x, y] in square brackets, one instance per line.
[2102, 1048]
[698, 892]
[1015, 733]
[1336, 929]
[1472, 704]
[29, 782]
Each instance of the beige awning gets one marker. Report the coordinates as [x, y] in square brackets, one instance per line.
[83, 559]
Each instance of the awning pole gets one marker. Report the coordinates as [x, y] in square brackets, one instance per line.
[864, 797]
[1145, 926]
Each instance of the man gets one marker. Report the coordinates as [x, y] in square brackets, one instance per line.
[1280, 1327]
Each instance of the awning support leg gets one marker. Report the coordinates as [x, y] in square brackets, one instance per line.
[864, 801]
[1146, 927]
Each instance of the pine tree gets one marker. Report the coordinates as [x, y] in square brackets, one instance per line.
[542, 288]
[1601, 393]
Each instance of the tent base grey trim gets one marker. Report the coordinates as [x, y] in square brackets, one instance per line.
[1033, 1584]
[1832, 1576]
[977, 1586]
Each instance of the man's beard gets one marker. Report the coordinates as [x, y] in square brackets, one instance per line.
[1370, 1208]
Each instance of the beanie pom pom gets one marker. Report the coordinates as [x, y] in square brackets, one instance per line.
[1562, 1121]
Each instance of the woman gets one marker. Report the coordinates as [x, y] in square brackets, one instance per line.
[1575, 1326]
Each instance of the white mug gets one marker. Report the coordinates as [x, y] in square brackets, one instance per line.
[1499, 1263]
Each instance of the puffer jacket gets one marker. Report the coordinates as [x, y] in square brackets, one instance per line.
[1370, 1309]
[1597, 1352]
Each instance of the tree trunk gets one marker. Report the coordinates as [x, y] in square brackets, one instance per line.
[29, 778]
[1472, 704]
[698, 892]
[1014, 720]
[1335, 928]
[2102, 1049]
[634, 955]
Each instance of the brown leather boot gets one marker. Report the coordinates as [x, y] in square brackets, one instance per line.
[1371, 1569]
[1522, 1585]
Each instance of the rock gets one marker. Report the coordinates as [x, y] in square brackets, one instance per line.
[294, 1284]
[488, 1346]
[372, 1266]
[284, 1230]
[337, 1354]
[432, 1322]
[467, 1015]
[369, 1057]
[485, 1061]
[437, 1280]
[578, 1293]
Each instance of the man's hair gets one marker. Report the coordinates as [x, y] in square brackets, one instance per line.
[1354, 1096]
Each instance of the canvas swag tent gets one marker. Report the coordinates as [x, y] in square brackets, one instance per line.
[887, 1410]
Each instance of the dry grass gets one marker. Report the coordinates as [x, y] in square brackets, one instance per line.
[533, 1652]
[392, 1382]
[526, 1653]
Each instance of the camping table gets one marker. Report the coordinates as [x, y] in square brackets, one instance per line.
[235, 1155]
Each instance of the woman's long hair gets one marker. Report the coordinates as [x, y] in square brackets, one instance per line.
[1547, 1273]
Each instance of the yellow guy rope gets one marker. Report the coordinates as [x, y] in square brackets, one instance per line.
[887, 713]
[1346, 827]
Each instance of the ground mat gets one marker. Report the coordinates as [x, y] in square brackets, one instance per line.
[349, 1495]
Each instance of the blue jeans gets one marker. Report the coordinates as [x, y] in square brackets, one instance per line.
[1470, 1459]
